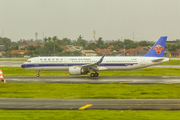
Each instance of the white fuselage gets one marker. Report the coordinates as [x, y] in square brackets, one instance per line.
[108, 63]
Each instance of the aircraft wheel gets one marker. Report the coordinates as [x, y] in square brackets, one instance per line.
[96, 74]
[37, 75]
[92, 75]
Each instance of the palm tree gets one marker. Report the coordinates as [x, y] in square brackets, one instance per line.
[100, 42]
[49, 39]
[54, 38]
[45, 39]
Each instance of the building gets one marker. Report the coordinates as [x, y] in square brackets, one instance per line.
[2, 47]
[1, 53]
[38, 44]
[71, 48]
[19, 52]
[23, 45]
[107, 51]
[139, 51]
[88, 53]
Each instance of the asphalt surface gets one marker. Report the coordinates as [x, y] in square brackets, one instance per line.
[98, 80]
[83, 104]
[11, 63]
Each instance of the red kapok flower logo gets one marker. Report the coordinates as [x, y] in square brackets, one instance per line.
[158, 48]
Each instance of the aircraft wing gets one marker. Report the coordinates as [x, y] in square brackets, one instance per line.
[95, 66]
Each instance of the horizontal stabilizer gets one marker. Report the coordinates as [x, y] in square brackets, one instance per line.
[158, 60]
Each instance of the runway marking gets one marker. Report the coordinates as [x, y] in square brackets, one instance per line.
[86, 106]
[127, 82]
[173, 83]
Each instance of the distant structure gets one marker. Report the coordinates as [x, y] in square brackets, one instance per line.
[36, 34]
[23, 45]
[94, 33]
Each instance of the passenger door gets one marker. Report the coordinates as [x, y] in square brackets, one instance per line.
[142, 61]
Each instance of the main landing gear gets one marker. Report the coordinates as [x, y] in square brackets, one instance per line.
[94, 74]
[38, 75]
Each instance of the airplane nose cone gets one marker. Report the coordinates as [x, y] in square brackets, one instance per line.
[23, 66]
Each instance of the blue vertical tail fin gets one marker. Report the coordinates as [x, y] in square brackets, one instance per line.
[158, 49]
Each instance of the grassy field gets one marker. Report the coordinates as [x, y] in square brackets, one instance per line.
[18, 71]
[171, 62]
[93, 91]
[89, 115]
[14, 59]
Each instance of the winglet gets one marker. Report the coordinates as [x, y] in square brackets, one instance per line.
[100, 61]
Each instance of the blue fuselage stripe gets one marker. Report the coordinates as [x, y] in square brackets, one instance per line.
[29, 65]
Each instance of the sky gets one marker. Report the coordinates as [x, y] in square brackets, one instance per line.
[111, 19]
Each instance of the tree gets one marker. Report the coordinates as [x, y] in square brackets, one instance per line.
[172, 47]
[90, 46]
[81, 41]
[129, 44]
[31, 51]
[52, 48]
[49, 39]
[45, 39]
[13, 47]
[145, 43]
[76, 53]
[117, 45]
[64, 41]
[99, 42]
[6, 42]
[54, 38]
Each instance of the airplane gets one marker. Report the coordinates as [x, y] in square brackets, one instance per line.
[83, 65]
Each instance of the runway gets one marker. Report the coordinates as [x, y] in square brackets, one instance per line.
[98, 80]
[11, 63]
[84, 104]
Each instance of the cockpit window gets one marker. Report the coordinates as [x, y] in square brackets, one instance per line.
[29, 61]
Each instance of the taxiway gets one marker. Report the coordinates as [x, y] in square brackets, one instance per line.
[98, 80]
[81, 104]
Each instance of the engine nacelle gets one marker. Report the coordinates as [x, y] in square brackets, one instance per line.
[77, 71]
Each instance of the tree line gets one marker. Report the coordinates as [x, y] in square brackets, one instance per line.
[53, 45]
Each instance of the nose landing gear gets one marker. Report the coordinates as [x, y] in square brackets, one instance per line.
[38, 75]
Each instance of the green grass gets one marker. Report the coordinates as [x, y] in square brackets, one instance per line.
[171, 62]
[89, 115]
[14, 59]
[91, 91]
[18, 71]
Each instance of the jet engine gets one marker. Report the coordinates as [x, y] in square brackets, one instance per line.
[77, 70]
